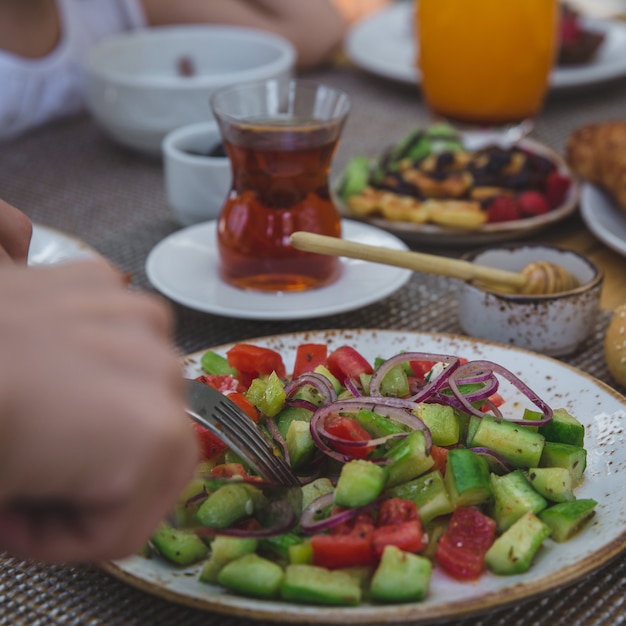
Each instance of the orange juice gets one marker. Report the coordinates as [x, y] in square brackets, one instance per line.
[486, 62]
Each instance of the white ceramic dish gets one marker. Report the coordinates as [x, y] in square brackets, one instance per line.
[383, 44]
[137, 92]
[184, 267]
[601, 409]
[196, 184]
[50, 246]
[603, 218]
[556, 325]
[432, 234]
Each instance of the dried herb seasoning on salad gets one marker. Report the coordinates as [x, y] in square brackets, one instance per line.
[408, 464]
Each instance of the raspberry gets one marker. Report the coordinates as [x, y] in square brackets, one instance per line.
[503, 209]
[532, 203]
[557, 186]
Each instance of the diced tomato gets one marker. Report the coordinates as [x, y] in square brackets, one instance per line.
[243, 403]
[308, 357]
[439, 455]
[346, 545]
[421, 368]
[349, 429]
[252, 361]
[462, 547]
[210, 445]
[229, 470]
[346, 362]
[399, 525]
[408, 536]
[221, 383]
[396, 511]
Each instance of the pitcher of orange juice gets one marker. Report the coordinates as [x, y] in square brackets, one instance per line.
[486, 62]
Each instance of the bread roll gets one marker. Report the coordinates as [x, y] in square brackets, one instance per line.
[615, 345]
[597, 153]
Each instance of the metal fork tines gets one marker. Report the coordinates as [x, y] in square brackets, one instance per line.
[226, 420]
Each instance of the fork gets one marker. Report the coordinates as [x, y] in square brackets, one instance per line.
[213, 410]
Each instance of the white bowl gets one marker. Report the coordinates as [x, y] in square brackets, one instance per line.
[196, 184]
[135, 88]
[555, 325]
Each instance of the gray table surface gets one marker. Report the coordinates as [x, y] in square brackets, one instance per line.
[71, 177]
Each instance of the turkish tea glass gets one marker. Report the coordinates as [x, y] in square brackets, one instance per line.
[280, 137]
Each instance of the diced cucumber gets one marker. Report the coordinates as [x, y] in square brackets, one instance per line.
[313, 490]
[227, 504]
[513, 551]
[279, 545]
[400, 577]
[467, 478]
[377, 425]
[186, 509]
[564, 428]
[519, 445]
[443, 423]
[225, 549]
[553, 483]
[429, 494]
[216, 364]
[395, 383]
[513, 497]
[301, 553]
[360, 482]
[300, 444]
[567, 518]
[182, 547]
[410, 459]
[324, 371]
[318, 585]
[288, 414]
[252, 575]
[572, 458]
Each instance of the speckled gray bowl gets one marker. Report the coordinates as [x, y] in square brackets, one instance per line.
[555, 325]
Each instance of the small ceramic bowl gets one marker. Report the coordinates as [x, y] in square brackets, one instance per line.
[196, 184]
[555, 325]
[142, 84]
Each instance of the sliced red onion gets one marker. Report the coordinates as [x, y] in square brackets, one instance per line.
[383, 369]
[310, 525]
[270, 424]
[352, 386]
[392, 408]
[319, 382]
[473, 367]
[502, 463]
[301, 403]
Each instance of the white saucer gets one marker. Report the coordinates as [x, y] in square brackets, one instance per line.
[184, 268]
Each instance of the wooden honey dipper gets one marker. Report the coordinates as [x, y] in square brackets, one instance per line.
[537, 278]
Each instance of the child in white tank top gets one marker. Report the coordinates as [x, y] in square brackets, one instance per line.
[38, 90]
[47, 82]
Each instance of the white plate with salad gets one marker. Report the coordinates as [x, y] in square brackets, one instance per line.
[599, 408]
[383, 44]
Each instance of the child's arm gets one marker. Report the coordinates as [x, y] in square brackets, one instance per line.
[315, 27]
